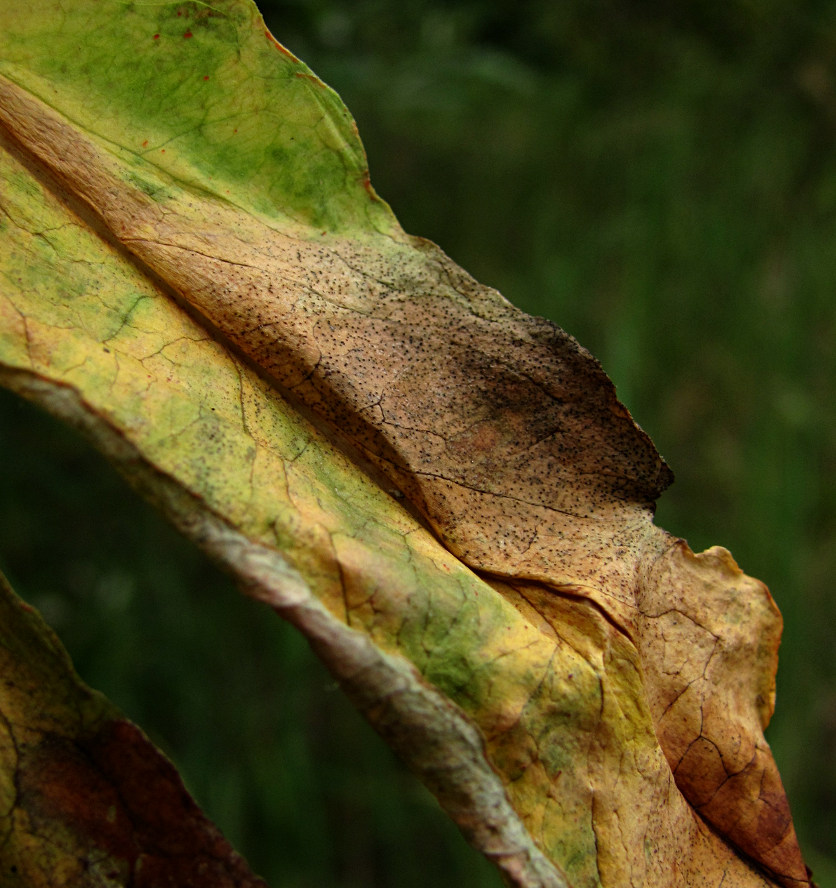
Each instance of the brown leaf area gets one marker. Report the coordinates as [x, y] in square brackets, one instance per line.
[507, 439]
[710, 638]
[88, 800]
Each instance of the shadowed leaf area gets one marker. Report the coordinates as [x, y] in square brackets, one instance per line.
[443, 493]
[88, 800]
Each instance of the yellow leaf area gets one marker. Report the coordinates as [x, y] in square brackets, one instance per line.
[85, 799]
[344, 396]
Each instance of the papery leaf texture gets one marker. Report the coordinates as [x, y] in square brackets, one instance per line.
[443, 493]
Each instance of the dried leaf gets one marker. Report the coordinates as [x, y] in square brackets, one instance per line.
[87, 800]
[208, 284]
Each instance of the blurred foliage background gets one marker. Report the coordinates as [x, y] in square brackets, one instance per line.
[660, 180]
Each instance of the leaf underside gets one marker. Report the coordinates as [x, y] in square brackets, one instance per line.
[442, 492]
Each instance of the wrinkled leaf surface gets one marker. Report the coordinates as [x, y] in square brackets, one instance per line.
[441, 491]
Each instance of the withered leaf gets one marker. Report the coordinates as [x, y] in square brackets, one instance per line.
[87, 800]
[620, 682]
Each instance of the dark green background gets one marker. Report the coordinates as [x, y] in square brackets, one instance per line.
[660, 179]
